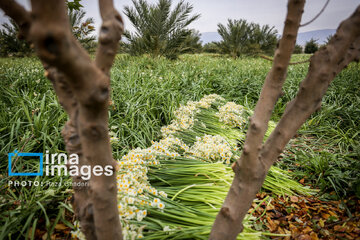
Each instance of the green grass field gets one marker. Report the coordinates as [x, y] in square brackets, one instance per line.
[145, 93]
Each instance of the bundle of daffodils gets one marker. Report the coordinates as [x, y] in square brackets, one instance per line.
[174, 188]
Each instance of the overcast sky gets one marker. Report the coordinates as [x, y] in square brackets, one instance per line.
[212, 12]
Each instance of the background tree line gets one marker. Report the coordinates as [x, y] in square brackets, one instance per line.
[161, 30]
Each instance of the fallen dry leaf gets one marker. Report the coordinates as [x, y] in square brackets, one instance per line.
[60, 226]
[310, 218]
[294, 199]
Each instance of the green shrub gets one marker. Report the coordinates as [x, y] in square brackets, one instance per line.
[298, 49]
[311, 46]
[10, 45]
[211, 47]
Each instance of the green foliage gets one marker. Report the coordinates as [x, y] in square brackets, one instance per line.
[160, 31]
[328, 39]
[74, 5]
[327, 152]
[211, 47]
[265, 37]
[311, 46]
[10, 45]
[298, 49]
[240, 37]
[192, 43]
[332, 172]
[82, 29]
[31, 122]
[326, 42]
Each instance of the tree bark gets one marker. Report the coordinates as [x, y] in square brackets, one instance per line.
[249, 174]
[83, 88]
[256, 159]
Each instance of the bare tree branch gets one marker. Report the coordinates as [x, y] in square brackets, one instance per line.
[62, 89]
[256, 158]
[290, 63]
[19, 15]
[81, 200]
[83, 91]
[56, 45]
[317, 15]
[249, 168]
[110, 34]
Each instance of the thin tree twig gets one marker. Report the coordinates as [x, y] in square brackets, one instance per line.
[291, 63]
[317, 15]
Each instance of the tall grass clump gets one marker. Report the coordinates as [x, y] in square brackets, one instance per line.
[30, 121]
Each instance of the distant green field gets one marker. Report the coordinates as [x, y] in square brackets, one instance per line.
[145, 93]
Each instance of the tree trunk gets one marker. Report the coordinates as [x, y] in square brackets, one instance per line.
[83, 89]
[256, 159]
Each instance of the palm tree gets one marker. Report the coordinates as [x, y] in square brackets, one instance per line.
[328, 39]
[235, 37]
[311, 46]
[158, 30]
[81, 29]
[9, 43]
[211, 47]
[192, 43]
[241, 37]
[298, 49]
[265, 36]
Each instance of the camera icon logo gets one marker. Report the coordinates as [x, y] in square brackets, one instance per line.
[19, 154]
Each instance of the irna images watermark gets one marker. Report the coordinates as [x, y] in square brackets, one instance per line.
[57, 165]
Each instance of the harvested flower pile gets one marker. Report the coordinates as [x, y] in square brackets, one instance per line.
[175, 187]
